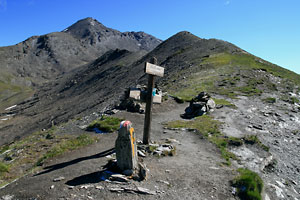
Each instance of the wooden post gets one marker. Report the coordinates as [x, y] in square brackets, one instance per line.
[126, 149]
[149, 100]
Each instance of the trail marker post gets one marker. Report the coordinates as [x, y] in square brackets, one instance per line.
[126, 148]
[152, 69]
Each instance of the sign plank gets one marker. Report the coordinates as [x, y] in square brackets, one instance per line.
[154, 69]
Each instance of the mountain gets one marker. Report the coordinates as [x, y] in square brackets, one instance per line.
[192, 63]
[42, 58]
[255, 98]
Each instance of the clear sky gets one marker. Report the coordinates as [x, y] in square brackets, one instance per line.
[269, 29]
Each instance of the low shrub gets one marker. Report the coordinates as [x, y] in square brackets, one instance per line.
[249, 185]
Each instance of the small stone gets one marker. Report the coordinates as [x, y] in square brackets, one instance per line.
[165, 182]
[115, 189]
[294, 182]
[70, 187]
[141, 154]
[118, 177]
[52, 187]
[7, 197]
[172, 140]
[86, 186]
[142, 171]
[59, 179]
[167, 171]
[145, 191]
[99, 187]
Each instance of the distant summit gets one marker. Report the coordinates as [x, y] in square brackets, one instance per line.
[92, 33]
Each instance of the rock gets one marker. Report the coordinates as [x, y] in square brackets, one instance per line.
[116, 189]
[257, 126]
[142, 171]
[99, 187]
[59, 179]
[165, 182]
[7, 197]
[267, 197]
[278, 191]
[280, 184]
[211, 104]
[294, 182]
[145, 191]
[169, 140]
[141, 154]
[86, 186]
[118, 177]
[52, 187]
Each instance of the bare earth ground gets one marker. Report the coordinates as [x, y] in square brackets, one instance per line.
[193, 173]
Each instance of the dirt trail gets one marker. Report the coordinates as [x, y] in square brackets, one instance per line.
[193, 173]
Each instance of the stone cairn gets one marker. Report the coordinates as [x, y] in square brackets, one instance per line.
[199, 105]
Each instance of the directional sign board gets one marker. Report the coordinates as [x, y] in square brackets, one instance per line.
[154, 69]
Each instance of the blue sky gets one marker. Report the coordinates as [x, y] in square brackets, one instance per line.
[269, 29]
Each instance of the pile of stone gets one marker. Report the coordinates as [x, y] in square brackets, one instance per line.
[135, 98]
[199, 105]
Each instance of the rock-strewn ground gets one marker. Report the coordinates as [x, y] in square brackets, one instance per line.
[193, 173]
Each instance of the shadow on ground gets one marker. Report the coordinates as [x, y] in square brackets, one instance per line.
[77, 160]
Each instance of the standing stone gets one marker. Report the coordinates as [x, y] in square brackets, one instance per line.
[126, 148]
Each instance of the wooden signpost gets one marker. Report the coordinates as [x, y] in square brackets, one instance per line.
[152, 69]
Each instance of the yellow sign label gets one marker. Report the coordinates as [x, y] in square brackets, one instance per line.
[132, 140]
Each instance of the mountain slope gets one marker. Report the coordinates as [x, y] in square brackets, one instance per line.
[42, 58]
[264, 99]
[191, 65]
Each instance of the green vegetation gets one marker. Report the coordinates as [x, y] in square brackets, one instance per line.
[3, 168]
[209, 128]
[106, 124]
[246, 61]
[224, 102]
[11, 94]
[294, 100]
[205, 124]
[4, 148]
[249, 185]
[289, 99]
[229, 75]
[26, 154]
[253, 139]
[66, 145]
[270, 100]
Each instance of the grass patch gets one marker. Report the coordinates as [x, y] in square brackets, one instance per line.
[3, 168]
[65, 146]
[229, 75]
[4, 148]
[253, 139]
[25, 154]
[249, 185]
[270, 100]
[106, 124]
[209, 128]
[224, 102]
